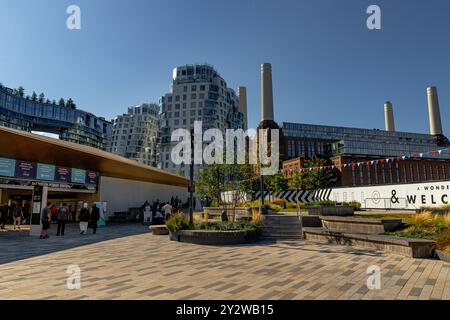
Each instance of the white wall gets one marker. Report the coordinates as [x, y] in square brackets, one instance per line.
[121, 194]
[402, 196]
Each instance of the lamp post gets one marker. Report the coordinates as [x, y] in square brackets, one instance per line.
[261, 175]
[191, 181]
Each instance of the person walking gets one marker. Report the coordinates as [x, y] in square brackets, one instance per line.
[4, 215]
[95, 216]
[45, 220]
[84, 218]
[63, 216]
[17, 216]
[168, 211]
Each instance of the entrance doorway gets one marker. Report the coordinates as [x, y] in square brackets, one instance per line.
[21, 196]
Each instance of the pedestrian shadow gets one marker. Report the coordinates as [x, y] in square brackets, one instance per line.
[15, 246]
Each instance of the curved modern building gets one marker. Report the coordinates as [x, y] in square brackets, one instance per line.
[71, 125]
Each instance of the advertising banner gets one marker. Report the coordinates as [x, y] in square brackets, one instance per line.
[63, 174]
[25, 170]
[45, 172]
[7, 167]
[402, 196]
[92, 177]
[102, 208]
[78, 176]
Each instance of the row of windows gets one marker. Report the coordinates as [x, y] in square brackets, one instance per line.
[395, 173]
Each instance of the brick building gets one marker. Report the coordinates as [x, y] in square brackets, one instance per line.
[365, 171]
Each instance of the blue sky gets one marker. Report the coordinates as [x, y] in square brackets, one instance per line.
[328, 68]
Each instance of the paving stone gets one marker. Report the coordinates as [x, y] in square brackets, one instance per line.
[127, 262]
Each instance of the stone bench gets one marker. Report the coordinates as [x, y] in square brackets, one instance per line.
[159, 230]
[414, 248]
[360, 225]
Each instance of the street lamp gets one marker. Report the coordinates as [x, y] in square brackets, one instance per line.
[191, 181]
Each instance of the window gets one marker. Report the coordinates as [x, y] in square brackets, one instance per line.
[202, 88]
[177, 98]
[193, 88]
[185, 89]
[193, 96]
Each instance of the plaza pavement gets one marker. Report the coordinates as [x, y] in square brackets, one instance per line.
[127, 262]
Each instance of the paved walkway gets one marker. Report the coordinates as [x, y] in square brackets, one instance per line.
[130, 263]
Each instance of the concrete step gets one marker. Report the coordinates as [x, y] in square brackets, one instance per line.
[282, 237]
[292, 229]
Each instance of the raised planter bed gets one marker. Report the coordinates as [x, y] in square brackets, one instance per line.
[414, 248]
[159, 230]
[209, 237]
[360, 225]
[444, 256]
[331, 210]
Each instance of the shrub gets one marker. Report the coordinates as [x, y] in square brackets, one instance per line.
[177, 223]
[323, 203]
[446, 219]
[354, 204]
[443, 241]
[279, 202]
[424, 220]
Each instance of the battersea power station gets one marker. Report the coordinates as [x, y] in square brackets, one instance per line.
[362, 157]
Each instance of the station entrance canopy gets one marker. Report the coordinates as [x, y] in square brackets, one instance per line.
[42, 157]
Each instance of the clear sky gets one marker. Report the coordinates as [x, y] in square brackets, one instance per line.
[328, 68]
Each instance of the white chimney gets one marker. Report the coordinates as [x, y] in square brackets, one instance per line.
[266, 92]
[389, 116]
[434, 112]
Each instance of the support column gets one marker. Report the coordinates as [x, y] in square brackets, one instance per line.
[39, 201]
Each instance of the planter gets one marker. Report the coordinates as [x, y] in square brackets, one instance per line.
[160, 230]
[173, 236]
[210, 237]
[331, 211]
[441, 255]
[239, 213]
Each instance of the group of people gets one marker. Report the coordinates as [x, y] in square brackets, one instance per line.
[159, 212]
[62, 215]
[14, 214]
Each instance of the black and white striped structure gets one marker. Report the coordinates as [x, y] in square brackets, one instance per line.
[300, 196]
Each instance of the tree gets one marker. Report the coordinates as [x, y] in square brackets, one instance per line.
[34, 96]
[318, 178]
[70, 104]
[210, 183]
[299, 183]
[278, 183]
[41, 97]
[21, 91]
[218, 178]
[61, 103]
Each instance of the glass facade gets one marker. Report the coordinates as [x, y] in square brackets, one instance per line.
[330, 141]
[70, 124]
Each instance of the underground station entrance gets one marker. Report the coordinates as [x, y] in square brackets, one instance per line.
[32, 197]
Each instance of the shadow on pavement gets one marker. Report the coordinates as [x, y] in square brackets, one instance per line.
[16, 246]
